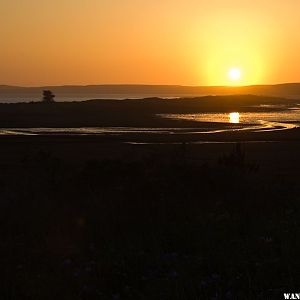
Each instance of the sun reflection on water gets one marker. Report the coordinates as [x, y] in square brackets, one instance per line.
[234, 117]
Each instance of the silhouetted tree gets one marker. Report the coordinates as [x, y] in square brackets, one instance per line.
[48, 96]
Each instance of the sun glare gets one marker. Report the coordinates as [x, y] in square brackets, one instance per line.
[234, 118]
[234, 74]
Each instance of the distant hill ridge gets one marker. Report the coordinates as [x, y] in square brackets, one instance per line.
[123, 91]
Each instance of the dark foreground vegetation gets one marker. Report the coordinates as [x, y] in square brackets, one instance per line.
[160, 227]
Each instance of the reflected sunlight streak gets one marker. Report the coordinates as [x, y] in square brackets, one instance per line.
[234, 117]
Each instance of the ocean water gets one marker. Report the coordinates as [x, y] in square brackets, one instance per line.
[249, 121]
[17, 99]
[291, 115]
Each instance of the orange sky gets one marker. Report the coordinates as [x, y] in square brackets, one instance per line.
[188, 42]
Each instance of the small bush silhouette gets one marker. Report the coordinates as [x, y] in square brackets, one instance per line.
[48, 96]
[237, 160]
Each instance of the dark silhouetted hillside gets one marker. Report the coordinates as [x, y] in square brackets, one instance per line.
[135, 113]
[75, 93]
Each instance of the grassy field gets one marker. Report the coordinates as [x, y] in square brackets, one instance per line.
[138, 216]
[92, 219]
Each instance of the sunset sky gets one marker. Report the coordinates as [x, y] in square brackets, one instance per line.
[187, 42]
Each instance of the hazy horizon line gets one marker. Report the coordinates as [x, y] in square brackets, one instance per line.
[145, 84]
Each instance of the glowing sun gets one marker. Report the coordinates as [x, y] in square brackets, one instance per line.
[234, 74]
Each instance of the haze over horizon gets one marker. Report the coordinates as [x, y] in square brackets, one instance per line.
[149, 85]
[195, 43]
